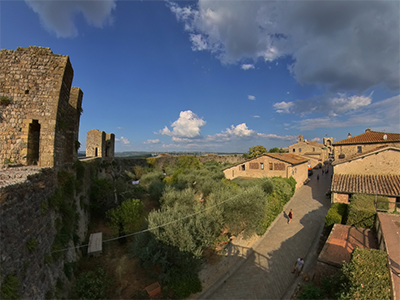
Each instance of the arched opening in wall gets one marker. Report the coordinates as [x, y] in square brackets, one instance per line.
[95, 152]
[33, 143]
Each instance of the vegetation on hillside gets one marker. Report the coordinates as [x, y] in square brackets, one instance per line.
[194, 206]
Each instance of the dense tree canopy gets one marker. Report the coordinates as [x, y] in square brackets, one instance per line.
[129, 215]
[256, 151]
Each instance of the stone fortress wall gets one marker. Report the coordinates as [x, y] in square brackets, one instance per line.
[100, 144]
[39, 110]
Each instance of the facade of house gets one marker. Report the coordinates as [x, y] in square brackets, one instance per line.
[270, 165]
[376, 172]
[362, 143]
[314, 151]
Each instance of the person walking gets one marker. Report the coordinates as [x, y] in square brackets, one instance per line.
[290, 216]
[298, 266]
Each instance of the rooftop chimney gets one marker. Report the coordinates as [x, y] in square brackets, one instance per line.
[368, 130]
[349, 135]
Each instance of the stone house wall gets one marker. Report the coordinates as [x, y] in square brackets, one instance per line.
[381, 163]
[350, 150]
[265, 166]
[40, 124]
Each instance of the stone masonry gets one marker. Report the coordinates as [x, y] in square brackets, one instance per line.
[39, 110]
[100, 144]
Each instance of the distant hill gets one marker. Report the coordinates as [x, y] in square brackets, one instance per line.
[137, 154]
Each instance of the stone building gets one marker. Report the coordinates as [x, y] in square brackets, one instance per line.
[376, 172]
[100, 144]
[369, 140]
[39, 110]
[270, 165]
[314, 151]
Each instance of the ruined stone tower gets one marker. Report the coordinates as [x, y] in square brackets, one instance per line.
[39, 110]
[100, 144]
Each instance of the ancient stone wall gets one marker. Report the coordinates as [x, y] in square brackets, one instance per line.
[110, 145]
[100, 144]
[39, 114]
[29, 224]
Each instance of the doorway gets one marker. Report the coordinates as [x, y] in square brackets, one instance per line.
[33, 143]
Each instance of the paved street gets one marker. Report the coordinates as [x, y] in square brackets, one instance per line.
[266, 273]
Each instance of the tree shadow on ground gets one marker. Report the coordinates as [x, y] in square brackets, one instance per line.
[265, 272]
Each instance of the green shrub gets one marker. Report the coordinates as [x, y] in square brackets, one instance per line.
[382, 203]
[44, 206]
[156, 189]
[69, 269]
[48, 259]
[92, 285]
[366, 275]
[267, 185]
[32, 245]
[361, 211]
[310, 291]
[139, 171]
[152, 162]
[130, 215]
[184, 287]
[178, 269]
[148, 178]
[101, 196]
[336, 214]
[10, 286]
[5, 101]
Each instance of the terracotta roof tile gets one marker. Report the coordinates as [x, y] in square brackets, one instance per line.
[341, 242]
[287, 157]
[370, 137]
[385, 185]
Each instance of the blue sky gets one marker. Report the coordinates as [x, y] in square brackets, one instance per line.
[221, 76]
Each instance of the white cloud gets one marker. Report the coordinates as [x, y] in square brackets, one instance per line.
[343, 103]
[187, 126]
[156, 141]
[247, 66]
[283, 107]
[123, 140]
[316, 139]
[119, 128]
[198, 42]
[332, 104]
[277, 137]
[345, 46]
[57, 16]
[255, 116]
[240, 130]
[250, 97]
